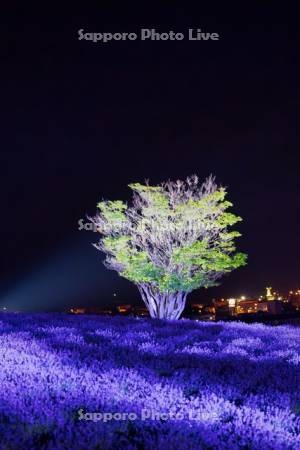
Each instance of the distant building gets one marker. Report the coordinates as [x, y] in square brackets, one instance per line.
[124, 309]
[269, 295]
[294, 299]
[262, 306]
[255, 306]
[272, 295]
[208, 309]
[247, 306]
[232, 304]
[221, 303]
[197, 307]
[275, 307]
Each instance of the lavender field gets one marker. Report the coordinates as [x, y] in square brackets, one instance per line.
[70, 382]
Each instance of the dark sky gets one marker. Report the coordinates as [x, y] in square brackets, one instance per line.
[81, 120]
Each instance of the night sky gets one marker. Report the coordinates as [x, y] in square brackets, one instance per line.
[81, 120]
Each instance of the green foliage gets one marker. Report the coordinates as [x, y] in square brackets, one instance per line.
[174, 245]
[113, 211]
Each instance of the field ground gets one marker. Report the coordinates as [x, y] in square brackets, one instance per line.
[67, 382]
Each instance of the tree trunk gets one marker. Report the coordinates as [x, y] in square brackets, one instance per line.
[162, 305]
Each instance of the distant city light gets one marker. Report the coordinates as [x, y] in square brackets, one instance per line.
[231, 302]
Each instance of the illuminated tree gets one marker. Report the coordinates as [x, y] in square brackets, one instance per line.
[173, 239]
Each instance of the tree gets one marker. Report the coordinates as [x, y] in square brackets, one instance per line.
[173, 239]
